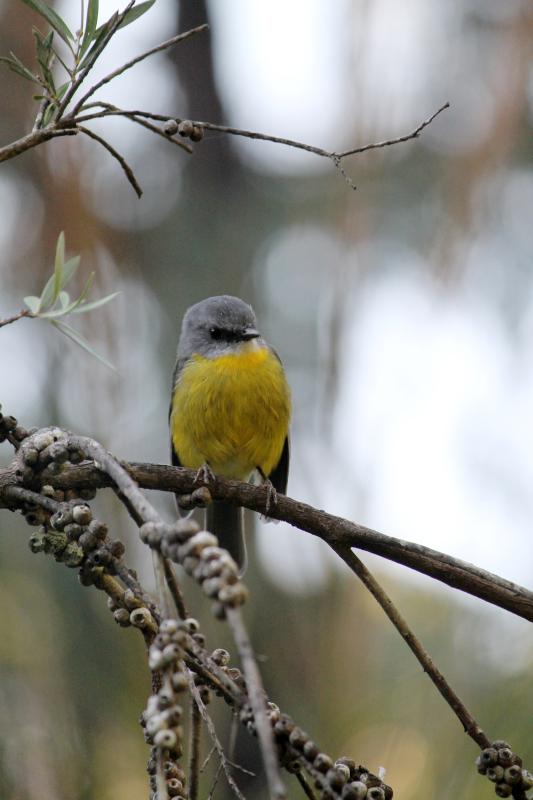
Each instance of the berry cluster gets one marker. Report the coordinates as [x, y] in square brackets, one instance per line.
[185, 128]
[504, 768]
[201, 557]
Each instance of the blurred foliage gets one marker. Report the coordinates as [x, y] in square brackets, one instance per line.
[452, 210]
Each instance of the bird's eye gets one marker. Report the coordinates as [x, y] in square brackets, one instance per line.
[216, 333]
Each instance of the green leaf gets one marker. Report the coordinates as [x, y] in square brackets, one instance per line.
[86, 289]
[136, 12]
[64, 299]
[91, 22]
[52, 18]
[16, 65]
[69, 268]
[76, 337]
[100, 41]
[32, 302]
[58, 266]
[133, 14]
[81, 309]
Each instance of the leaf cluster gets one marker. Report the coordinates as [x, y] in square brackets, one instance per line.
[54, 302]
[84, 46]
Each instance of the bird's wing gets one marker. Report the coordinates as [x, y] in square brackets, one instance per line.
[280, 474]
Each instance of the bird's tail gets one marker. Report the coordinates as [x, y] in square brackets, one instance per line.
[227, 523]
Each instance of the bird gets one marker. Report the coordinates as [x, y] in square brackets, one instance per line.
[230, 409]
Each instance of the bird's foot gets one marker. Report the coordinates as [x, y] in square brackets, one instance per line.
[271, 495]
[205, 475]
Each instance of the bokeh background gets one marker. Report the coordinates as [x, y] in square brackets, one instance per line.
[403, 312]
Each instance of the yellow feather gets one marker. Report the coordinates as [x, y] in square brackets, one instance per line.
[231, 412]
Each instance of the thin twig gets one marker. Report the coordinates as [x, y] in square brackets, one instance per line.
[161, 584]
[75, 85]
[207, 759]
[215, 781]
[129, 64]
[213, 734]
[174, 588]
[194, 748]
[256, 693]
[116, 155]
[334, 530]
[302, 780]
[472, 728]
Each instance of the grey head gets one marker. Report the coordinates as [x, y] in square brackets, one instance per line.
[216, 325]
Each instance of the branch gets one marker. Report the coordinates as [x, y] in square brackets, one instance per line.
[121, 160]
[334, 530]
[256, 693]
[198, 702]
[129, 64]
[8, 320]
[472, 728]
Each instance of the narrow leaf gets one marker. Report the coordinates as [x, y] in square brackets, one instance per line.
[15, 65]
[64, 298]
[32, 302]
[47, 294]
[91, 22]
[58, 267]
[81, 309]
[76, 337]
[69, 268]
[52, 17]
[136, 12]
[100, 41]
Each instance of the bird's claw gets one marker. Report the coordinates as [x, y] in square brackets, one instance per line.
[271, 494]
[205, 475]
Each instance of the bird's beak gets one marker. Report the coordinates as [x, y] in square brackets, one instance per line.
[249, 333]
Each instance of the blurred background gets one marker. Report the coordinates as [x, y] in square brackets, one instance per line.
[403, 313]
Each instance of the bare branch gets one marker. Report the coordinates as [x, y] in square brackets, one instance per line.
[256, 694]
[472, 728]
[129, 64]
[121, 160]
[213, 734]
[8, 320]
[194, 741]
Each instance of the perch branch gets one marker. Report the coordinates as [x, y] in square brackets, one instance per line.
[334, 530]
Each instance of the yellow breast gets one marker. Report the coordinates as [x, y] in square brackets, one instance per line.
[231, 412]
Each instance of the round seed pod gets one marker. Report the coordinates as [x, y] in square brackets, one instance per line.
[481, 766]
[155, 659]
[179, 682]
[192, 625]
[169, 626]
[195, 545]
[82, 514]
[174, 787]
[185, 502]
[344, 770]
[489, 756]
[212, 586]
[311, 750]
[375, 793]
[122, 617]
[87, 541]
[47, 490]
[499, 743]
[170, 653]
[62, 517]
[197, 134]
[495, 773]
[101, 557]
[20, 433]
[40, 440]
[336, 779]
[73, 531]
[170, 127]
[166, 739]
[356, 790]
[58, 452]
[505, 756]
[185, 128]
[512, 774]
[527, 780]
[298, 738]
[503, 790]
[218, 610]
[155, 723]
[87, 494]
[29, 454]
[141, 617]
[220, 657]
[170, 769]
[117, 548]
[189, 564]
[201, 497]
[98, 529]
[322, 762]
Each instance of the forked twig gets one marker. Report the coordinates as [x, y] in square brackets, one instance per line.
[472, 728]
